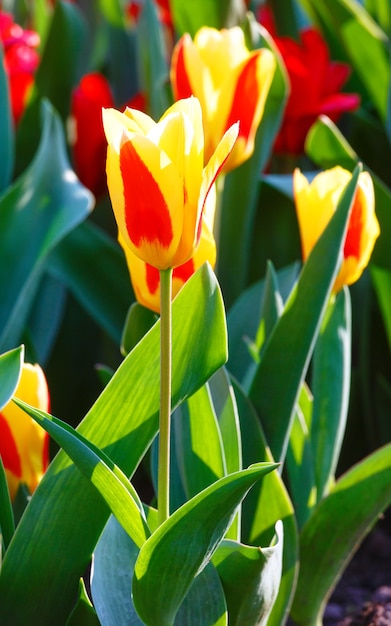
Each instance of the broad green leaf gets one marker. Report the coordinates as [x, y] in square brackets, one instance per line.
[243, 320]
[83, 614]
[288, 351]
[43, 205]
[352, 507]
[6, 130]
[380, 10]
[204, 604]
[11, 363]
[251, 579]
[224, 403]
[66, 515]
[163, 575]
[272, 307]
[111, 577]
[113, 12]
[111, 584]
[138, 322]
[300, 464]
[198, 443]
[266, 503]
[330, 385]
[241, 187]
[95, 465]
[327, 147]
[103, 289]
[190, 16]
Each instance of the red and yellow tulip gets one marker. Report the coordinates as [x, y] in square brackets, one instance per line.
[23, 443]
[315, 204]
[230, 81]
[157, 181]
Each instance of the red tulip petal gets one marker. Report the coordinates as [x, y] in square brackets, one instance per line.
[147, 216]
[8, 450]
[179, 77]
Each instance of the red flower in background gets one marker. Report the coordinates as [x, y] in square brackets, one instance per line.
[89, 143]
[315, 82]
[21, 60]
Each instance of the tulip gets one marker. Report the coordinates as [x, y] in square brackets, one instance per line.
[157, 181]
[23, 443]
[230, 81]
[146, 279]
[315, 85]
[21, 60]
[315, 204]
[86, 129]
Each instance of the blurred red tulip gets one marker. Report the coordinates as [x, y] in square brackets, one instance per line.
[89, 144]
[21, 60]
[315, 86]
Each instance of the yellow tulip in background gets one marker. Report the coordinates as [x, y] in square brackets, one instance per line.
[315, 204]
[23, 443]
[157, 181]
[231, 82]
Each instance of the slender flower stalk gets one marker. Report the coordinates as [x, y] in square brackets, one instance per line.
[165, 395]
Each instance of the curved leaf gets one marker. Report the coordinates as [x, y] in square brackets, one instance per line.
[352, 507]
[289, 348]
[66, 515]
[181, 547]
[42, 206]
[251, 579]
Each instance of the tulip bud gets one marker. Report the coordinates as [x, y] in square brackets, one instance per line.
[23, 442]
[315, 204]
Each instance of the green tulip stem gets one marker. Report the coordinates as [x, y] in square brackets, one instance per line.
[163, 490]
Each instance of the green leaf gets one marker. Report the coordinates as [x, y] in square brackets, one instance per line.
[352, 507]
[198, 443]
[267, 502]
[113, 12]
[297, 329]
[11, 363]
[6, 129]
[111, 577]
[83, 614]
[66, 515]
[103, 289]
[44, 204]
[204, 604]
[153, 59]
[300, 460]
[183, 544]
[241, 187]
[138, 322]
[331, 387]
[111, 584]
[251, 579]
[244, 317]
[190, 16]
[95, 465]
